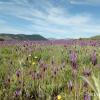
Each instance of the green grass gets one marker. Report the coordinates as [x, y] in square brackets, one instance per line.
[49, 86]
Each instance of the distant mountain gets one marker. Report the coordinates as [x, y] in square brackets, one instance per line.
[91, 38]
[96, 37]
[52, 39]
[21, 37]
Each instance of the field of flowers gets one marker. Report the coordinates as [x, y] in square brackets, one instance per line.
[50, 70]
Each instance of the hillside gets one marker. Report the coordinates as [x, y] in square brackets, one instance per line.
[96, 37]
[91, 38]
[21, 37]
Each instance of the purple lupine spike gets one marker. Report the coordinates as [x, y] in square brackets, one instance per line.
[18, 73]
[73, 58]
[17, 92]
[94, 58]
[87, 96]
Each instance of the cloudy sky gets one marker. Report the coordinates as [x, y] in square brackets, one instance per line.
[51, 18]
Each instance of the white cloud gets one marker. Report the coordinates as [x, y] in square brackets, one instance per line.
[54, 15]
[85, 2]
[4, 28]
[56, 20]
[72, 20]
[95, 29]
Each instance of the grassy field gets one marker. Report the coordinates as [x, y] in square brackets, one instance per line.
[31, 71]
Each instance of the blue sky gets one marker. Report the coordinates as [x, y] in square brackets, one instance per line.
[51, 18]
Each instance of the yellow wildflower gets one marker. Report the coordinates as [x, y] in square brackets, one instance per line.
[33, 63]
[59, 97]
[35, 57]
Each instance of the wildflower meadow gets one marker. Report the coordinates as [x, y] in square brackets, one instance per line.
[50, 70]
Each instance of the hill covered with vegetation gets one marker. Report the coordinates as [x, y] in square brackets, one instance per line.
[92, 38]
[96, 37]
[21, 37]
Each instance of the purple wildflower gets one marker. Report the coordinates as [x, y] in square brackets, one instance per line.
[87, 96]
[94, 58]
[17, 92]
[18, 73]
[73, 58]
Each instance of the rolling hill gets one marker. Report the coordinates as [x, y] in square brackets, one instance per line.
[96, 37]
[21, 37]
[91, 38]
